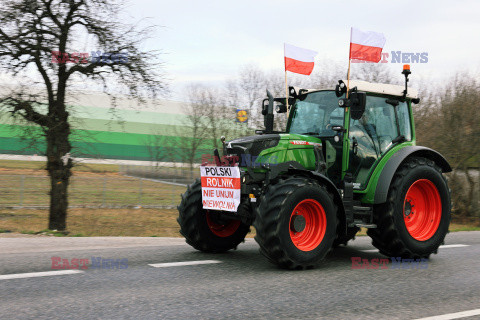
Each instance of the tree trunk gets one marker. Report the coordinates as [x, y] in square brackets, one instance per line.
[59, 169]
[471, 193]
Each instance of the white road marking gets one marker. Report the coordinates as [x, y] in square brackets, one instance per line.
[183, 263]
[456, 315]
[441, 247]
[454, 246]
[38, 274]
[370, 250]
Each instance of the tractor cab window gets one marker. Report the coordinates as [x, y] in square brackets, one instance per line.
[316, 114]
[404, 121]
[371, 136]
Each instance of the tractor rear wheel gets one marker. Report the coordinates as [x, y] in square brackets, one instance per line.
[414, 221]
[296, 223]
[206, 230]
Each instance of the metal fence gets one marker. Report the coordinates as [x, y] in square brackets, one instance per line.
[112, 191]
[138, 186]
[182, 175]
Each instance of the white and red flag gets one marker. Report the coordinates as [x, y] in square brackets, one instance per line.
[299, 60]
[366, 45]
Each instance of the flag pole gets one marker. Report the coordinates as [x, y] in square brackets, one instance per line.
[348, 76]
[349, 60]
[286, 94]
[286, 85]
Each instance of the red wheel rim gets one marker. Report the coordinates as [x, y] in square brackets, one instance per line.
[222, 230]
[312, 215]
[422, 210]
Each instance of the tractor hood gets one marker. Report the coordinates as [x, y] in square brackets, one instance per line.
[252, 145]
[274, 149]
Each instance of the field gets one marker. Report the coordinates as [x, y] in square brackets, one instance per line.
[96, 222]
[109, 204]
[95, 190]
[25, 184]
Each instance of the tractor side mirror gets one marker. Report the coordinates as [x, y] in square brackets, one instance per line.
[358, 102]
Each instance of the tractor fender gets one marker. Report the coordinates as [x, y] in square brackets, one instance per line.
[330, 187]
[397, 159]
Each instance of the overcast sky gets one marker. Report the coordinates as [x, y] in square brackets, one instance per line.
[207, 41]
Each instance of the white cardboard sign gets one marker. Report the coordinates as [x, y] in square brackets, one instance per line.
[220, 188]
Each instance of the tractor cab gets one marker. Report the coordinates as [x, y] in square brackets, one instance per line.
[355, 132]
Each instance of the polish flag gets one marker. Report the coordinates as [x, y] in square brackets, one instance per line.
[299, 60]
[366, 45]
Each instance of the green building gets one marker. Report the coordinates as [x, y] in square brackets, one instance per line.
[128, 131]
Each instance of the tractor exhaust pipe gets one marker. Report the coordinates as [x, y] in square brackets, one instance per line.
[268, 113]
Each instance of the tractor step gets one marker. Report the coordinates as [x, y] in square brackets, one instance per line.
[355, 214]
[366, 225]
[362, 217]
[364, 209]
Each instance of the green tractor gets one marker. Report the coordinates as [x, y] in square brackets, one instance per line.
[347, 160]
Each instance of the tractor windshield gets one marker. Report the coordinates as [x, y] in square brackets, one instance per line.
[316, 114]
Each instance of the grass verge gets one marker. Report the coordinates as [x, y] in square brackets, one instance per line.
[95, 222]
[119, 222]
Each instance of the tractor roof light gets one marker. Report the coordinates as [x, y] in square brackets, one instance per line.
[406, 69]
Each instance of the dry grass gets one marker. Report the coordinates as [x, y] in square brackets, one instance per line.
[118, 222]
[104, 222]
[97, 222]
[91, 185]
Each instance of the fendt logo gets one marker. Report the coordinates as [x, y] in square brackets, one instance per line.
[400, 57]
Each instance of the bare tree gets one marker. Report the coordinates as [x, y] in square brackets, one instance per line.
[247, 92]
[219, 115]
[448, 121]
[160, 147]
[33, 34]
[375, 72]
[193, 131]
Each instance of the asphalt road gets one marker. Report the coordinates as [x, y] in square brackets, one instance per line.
[240, 284]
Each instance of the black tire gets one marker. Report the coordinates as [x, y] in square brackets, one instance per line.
[273, 222]
[194, 227]
[344, 238]
[391, 236]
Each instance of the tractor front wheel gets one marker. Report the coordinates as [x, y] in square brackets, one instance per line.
[414, 221]
[296, 223]
[207, 230]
